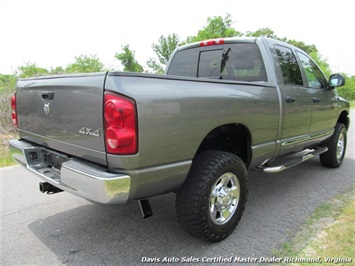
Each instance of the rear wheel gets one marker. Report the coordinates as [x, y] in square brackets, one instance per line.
[211, 202]
[334, 157]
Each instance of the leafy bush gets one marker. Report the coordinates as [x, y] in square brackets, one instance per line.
[7, 88]
[348, 90]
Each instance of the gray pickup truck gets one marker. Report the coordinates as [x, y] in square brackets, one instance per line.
[224, 106]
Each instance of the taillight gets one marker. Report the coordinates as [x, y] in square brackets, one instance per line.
[212, 42]
[13, 107]
[120, 124]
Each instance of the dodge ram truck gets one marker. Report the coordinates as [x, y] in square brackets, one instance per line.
[223, 106]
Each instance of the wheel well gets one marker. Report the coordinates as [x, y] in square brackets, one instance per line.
[343, 119]
[233, 138]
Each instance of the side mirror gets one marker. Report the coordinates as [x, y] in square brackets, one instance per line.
[336, 80]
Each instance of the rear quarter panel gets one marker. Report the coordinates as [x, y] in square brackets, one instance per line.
[176, 114]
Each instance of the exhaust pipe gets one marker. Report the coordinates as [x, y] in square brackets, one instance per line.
[48, 188]
[145, 208]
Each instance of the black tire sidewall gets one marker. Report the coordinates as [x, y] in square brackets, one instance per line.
[193, 199]
[329, 158]
[342, 131]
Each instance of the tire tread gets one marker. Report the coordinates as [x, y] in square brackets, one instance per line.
[189, 208]
[329, 158]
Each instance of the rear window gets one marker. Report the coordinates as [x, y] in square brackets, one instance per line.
[240, 61]
[184, 63]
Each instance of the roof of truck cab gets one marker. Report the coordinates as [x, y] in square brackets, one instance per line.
[221, 41]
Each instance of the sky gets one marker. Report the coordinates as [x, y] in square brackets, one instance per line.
[52, 33]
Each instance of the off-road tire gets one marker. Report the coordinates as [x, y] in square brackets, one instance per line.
[213, 172]
[334, 157]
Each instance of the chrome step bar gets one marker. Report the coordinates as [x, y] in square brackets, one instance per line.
[293, 162]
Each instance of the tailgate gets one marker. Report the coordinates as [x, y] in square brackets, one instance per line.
[64, 113]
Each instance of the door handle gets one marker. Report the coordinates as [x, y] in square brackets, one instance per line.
[47, 95]
[290, 99]
[316, 100]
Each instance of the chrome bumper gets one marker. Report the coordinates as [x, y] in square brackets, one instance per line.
[75, 176]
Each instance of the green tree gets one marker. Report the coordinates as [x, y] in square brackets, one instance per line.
[263, 32]
[30, 70]
[153, 64]
[85, 64]
[7, 83]
[308, 48]
[269, 33]
[57, 70]
[348, 90]
[7, 88]
[128, 61]
[217, 27]
[163, 49]
[311, 49]
[321, 62]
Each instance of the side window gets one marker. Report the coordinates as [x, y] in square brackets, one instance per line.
[291, 72]
[314, 75]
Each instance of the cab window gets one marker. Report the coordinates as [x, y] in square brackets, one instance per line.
[209, 64]
[291, 72]
[243, 62]
[184, 63]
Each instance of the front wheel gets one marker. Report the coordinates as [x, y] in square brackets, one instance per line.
[334, 157]
[211, 202]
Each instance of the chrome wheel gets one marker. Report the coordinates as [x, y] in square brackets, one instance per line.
[334, 157]
[224, 198]
[340, 146]
[212, 200]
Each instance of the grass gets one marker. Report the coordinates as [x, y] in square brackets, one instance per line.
[339, 238]
[352, 103]
[6, 158]
[329, 233]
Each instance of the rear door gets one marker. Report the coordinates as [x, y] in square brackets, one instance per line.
[64, 113]
[297, 111]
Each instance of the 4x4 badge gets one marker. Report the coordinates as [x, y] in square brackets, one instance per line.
[89, 131]
[46, 108]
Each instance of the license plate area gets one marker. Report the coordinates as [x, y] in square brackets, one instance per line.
[45, 162]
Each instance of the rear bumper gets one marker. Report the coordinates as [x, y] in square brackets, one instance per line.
[75, 176]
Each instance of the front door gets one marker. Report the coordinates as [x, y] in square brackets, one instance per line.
[323, 100]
